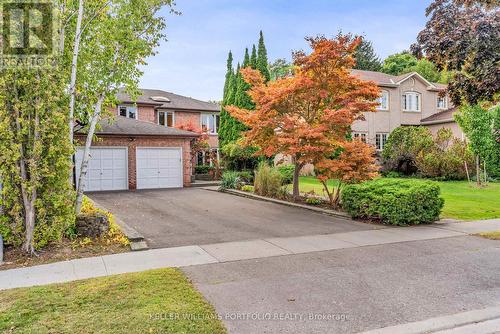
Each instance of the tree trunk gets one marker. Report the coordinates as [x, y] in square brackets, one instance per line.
[478, 170]
[74, 66]
[467, 171]
[296, 174]
[86, 154]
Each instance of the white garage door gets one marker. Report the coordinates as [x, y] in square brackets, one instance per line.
[107, 169]
[159, 168]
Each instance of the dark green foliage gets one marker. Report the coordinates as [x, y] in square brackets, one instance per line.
[237, 157]
[231, 180]
[403, 146]
[262, 61]
[366, 58]
[235, 93]
[394, 201]
[246, 59]
[399, 63]
[280, 68]
[253, 58]
[203, 169]
[286, 172]
[445, 159]
[246, 176]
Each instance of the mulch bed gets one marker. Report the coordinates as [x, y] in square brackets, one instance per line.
[63, 251]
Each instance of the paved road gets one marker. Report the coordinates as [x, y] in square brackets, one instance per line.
[373, 286]
[180, 217]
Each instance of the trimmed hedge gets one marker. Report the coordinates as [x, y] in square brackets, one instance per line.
[394, 201]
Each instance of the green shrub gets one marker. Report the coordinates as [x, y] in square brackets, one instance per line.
[231, 180]
[248, 188]
[246, 176]
[286, 172]
[202, 169]
[268, 181]
[394, 201]
[313, 201]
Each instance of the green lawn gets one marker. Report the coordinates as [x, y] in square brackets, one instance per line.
[463, 200]
[157, 301]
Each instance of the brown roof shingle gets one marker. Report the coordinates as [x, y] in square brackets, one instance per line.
[386, 79]
[176, 101]
[443, 116]
[131, 127]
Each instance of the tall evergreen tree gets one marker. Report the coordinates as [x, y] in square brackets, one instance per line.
[262, 61]
[253, 58]
[246, 60]
[229, 73]
[366, 58]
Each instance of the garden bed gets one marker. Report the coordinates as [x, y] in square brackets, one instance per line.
[113, 241]
[324, 208]
[63, 251]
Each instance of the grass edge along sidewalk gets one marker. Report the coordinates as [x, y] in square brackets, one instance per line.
[155, 301]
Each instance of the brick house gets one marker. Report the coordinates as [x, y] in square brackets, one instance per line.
[142, 146]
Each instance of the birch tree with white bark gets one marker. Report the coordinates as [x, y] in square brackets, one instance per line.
[112, 50]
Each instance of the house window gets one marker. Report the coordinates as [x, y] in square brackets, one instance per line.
[207, 157]
[380, 140]
[210, 123]
[383, 101]
[442, 102]
[128, 111]
[411, 101]
[359, 136]
[166, 118]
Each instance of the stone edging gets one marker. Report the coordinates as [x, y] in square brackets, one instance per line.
[278, 201]
[137, 241]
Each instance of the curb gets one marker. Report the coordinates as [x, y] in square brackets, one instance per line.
[137, 240]
[277, 201]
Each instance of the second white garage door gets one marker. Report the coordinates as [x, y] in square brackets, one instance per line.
[159, 168]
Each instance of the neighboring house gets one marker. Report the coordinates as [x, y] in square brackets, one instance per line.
[144, 145]
[407, 99]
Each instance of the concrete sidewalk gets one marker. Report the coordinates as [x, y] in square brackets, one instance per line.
[230, 251]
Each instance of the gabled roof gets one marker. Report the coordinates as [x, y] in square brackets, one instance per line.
[176, 101]
[388, 80]
[131, 127]
[444, 116]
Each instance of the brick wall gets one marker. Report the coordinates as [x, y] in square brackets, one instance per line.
[133, 142]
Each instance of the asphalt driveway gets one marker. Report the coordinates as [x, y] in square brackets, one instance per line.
[193, 216]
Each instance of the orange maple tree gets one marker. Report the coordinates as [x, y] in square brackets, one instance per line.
[353, 162]
[308, 116]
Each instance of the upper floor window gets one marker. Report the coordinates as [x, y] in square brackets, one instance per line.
[210, 123]
[442, 102]
[383, 101]
[380, 140]
[411, 101]
[359, 136]
[128, 111]
[166, 118]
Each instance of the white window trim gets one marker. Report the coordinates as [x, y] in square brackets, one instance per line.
[360, 134]
[173, 118]
[127, 106]
[419, 105]
[216, 132]
[382, 144]
[445, 103]
[388, 100]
